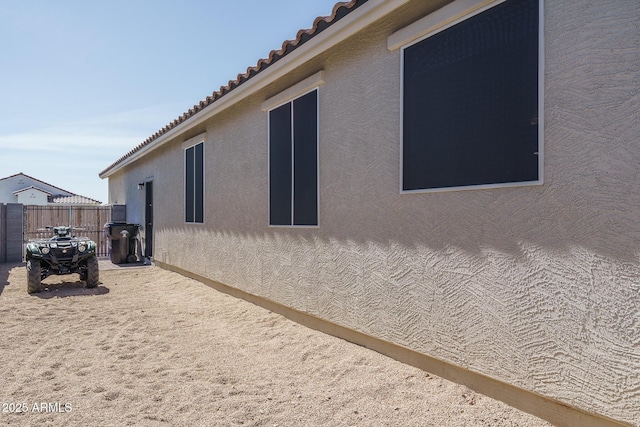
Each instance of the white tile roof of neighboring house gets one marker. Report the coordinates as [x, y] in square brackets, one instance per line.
[73, 200]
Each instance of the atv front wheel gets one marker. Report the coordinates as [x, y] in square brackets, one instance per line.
[93, 274]
[34, 276]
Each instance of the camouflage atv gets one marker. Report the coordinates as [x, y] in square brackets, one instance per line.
[61, 254]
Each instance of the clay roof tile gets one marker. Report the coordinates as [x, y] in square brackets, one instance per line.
[339, 11]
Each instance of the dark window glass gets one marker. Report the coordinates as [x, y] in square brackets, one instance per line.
[280, 163]
[190, 184]
[471, 101]
[305, 161]
[199, 184]
[293, 162]
[194, 183]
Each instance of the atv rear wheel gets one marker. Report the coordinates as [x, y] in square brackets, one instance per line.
[34, 276]
[93, 274]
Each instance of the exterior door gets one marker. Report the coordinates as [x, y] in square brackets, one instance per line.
[148, 220]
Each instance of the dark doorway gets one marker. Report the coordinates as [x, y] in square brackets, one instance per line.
[148, 220]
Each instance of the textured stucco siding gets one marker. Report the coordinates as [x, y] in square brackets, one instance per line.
[535, 286]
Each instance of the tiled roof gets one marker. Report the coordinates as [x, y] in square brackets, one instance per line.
[74, 200]
[340, 10]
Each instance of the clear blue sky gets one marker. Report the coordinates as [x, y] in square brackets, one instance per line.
[82, 82]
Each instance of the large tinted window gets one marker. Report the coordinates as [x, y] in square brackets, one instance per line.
[293, 162]
[194, 183]
[470, 101]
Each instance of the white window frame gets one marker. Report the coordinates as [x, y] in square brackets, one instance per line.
[304, 87]
[443, 19]
[192, 142]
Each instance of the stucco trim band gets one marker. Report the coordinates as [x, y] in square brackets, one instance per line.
[294, 91]
[202, 137]
[440, 20]
[557, 413]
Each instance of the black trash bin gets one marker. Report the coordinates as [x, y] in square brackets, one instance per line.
[122, 239]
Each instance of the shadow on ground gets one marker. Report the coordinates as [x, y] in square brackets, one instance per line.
[69, 289]
[5, 269]
[106, 264]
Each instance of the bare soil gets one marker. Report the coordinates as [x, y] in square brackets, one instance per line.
[149, 347]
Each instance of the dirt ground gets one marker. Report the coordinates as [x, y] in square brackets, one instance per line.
[149, 347]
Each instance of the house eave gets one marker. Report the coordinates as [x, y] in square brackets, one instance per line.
[340, 31]
[15, 193]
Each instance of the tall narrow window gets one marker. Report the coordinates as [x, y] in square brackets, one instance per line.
[470, 102]
[194, 183]
[293, 162]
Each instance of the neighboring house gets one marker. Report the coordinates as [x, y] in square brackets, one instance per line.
[24, 189]
[452, 183]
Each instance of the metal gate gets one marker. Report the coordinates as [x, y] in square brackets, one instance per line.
[88, 220]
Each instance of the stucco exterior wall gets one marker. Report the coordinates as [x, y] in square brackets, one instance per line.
[535, 286]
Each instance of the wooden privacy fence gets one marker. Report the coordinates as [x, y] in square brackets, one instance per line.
[89, 219]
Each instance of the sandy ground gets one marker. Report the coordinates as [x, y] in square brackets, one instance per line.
[149, 347]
